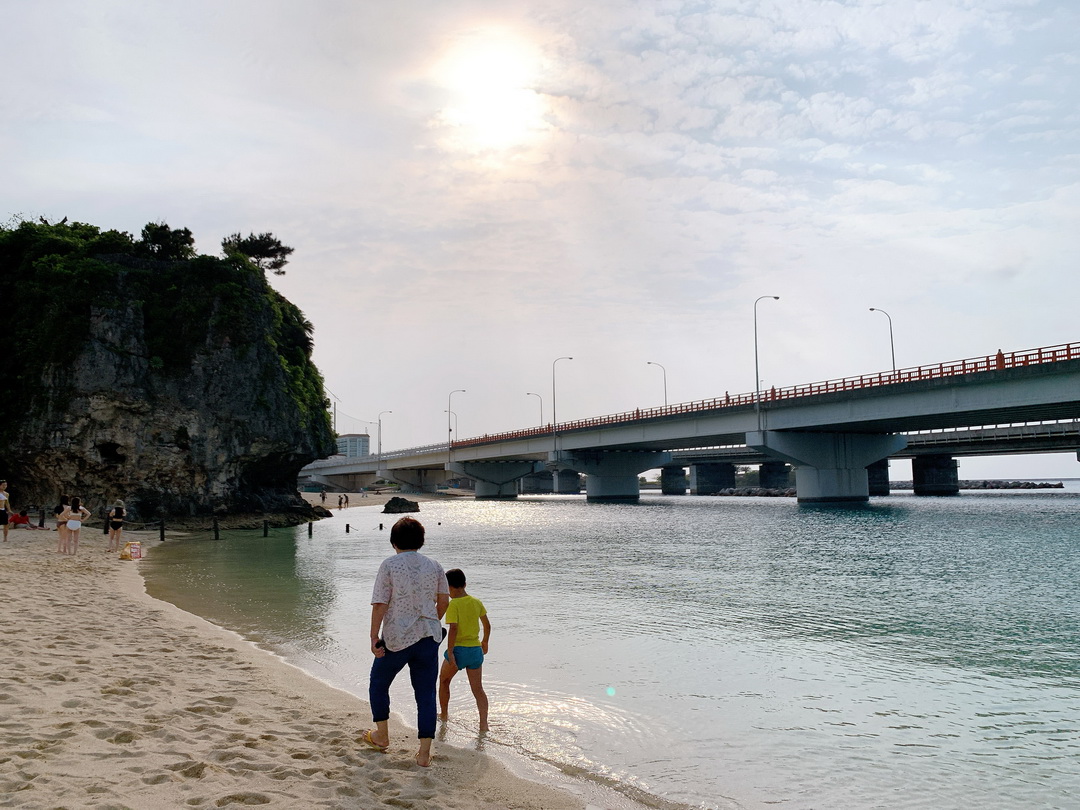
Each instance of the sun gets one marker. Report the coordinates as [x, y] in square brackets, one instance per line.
[489, 77]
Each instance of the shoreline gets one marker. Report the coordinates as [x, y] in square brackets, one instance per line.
[114, 697]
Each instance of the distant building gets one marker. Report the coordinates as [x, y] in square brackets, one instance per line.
[354, 444]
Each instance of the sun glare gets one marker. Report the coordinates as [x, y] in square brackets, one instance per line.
[491, 105]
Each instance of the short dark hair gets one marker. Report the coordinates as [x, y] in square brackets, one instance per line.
[407, 534]
[455, 578]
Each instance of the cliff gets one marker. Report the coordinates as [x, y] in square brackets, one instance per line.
[182, 384]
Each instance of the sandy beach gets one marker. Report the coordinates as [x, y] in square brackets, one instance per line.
[113, 699]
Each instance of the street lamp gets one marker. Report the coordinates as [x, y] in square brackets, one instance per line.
[554, 420]
[651, 363]
[454, 414]
[757, 373]
[892, 346]
[554, 430]
[449, 432]
[379, 458]
[531, 394]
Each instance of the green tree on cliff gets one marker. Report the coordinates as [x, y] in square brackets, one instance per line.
[264, 250]
[159, 241]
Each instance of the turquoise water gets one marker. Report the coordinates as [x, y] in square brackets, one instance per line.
[720, 652]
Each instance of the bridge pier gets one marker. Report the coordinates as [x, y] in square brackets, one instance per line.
[877, 475]
[774, 475]
[496, 479]
[418, 481]
[935, 475]
[673, 480]
[709, 477]
[613, 475]
[831, 466]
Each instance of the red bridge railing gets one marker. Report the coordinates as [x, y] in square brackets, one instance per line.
[974, 365]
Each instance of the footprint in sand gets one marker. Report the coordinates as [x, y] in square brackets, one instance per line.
[242, 798]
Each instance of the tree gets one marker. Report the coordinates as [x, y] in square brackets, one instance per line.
[264, 250]
[159, 241]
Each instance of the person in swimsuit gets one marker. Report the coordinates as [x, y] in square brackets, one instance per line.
[116, 526]
[75, 514]
[61, 524]
[5, 508]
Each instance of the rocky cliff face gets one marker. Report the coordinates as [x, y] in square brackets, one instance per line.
[182, 387]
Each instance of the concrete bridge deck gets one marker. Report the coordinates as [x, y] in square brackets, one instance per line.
[831, 431]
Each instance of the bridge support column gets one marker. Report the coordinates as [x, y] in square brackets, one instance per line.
[774, 475]
[935, 475]
[496, 479]
[613, 475]
[709, 477]
[877, 475]
[831, 466]
[416, 481]
[672, 481]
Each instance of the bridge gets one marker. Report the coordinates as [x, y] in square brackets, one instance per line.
[832, 432]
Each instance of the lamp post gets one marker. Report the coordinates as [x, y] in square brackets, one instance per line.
[449, 431]
[892, 346]
[379, 457]
[555, 430]
[454, 414]
[532, 394]
[757, 373]
[554, 419]
[651, 363]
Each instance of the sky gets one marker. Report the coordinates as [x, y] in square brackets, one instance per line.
[474, 189]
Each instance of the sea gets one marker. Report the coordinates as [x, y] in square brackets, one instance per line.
[715, 652]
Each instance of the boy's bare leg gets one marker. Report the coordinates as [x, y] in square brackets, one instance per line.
[476, 682]
[446, 674]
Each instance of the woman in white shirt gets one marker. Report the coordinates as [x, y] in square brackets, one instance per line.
[407, 605]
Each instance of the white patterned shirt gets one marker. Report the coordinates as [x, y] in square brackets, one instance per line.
[408, 584]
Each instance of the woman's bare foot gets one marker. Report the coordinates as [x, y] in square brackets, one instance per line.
[422, 759]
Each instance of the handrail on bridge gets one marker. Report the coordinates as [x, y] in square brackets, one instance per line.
[991, 362]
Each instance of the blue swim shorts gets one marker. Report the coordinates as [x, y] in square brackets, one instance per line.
[467, 657]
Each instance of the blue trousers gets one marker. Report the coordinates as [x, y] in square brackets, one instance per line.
[423, 660]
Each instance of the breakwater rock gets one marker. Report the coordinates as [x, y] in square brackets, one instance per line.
[991, 484]
[760, 492]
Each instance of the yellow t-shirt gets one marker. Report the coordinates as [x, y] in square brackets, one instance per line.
[465, 612]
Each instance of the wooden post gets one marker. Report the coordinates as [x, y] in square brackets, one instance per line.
[310, 524]
[161, 528]
[266, 528]
[346, 528]
[217, 530]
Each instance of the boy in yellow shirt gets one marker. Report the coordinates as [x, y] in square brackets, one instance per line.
[465, 649]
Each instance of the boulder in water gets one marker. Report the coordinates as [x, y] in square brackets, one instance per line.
[396, 506]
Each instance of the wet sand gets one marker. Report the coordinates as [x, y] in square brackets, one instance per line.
[113, 699]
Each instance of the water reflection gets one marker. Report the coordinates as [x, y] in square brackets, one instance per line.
[685, 645]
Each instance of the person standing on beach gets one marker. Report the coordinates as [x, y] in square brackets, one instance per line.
[61, 524]
[116, 526]
[5, 508]
[75, 514]
[407, 605]
[464, 647]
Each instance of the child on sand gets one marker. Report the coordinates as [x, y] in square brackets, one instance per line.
[465, 649]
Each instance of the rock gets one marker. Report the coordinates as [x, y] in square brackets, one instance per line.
[396, 506]
[186, 387]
